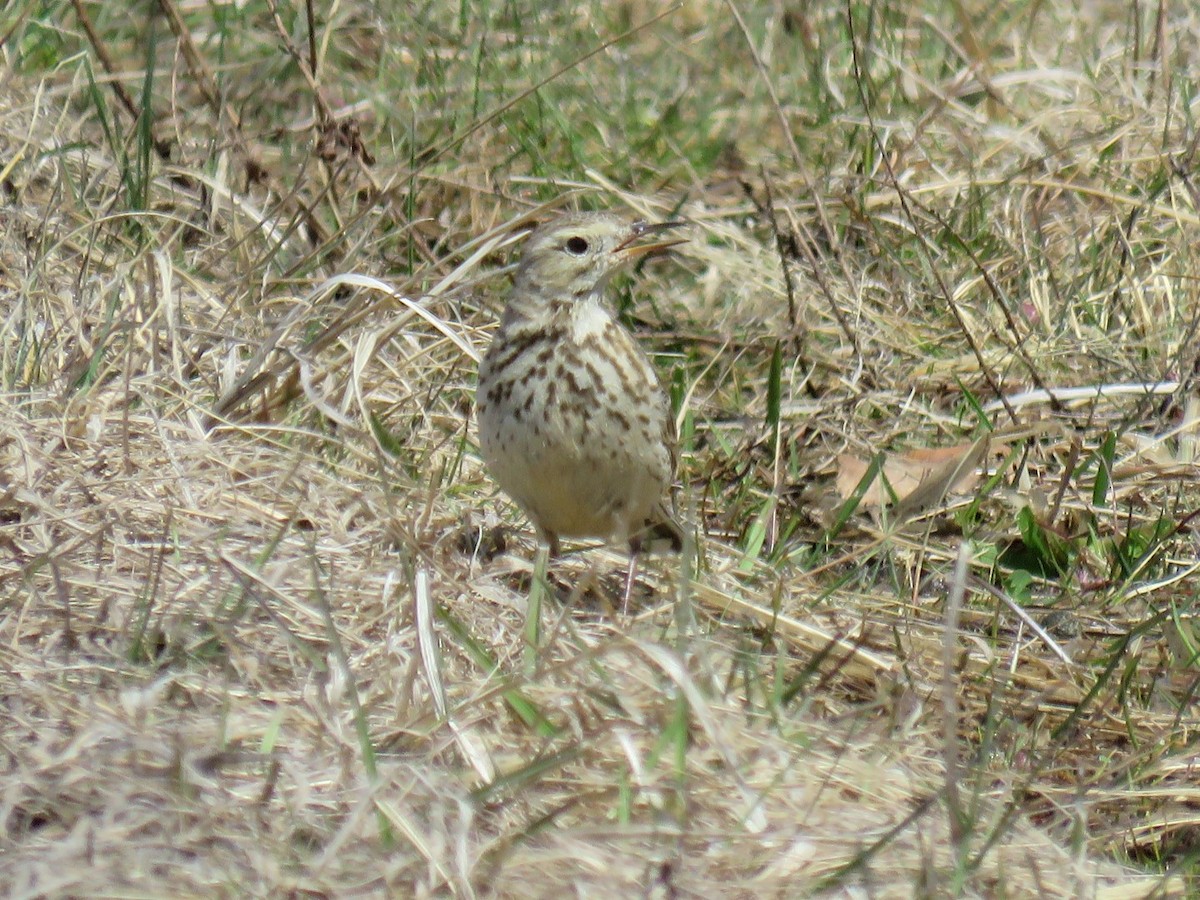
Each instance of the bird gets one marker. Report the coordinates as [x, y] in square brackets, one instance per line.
[574, 424]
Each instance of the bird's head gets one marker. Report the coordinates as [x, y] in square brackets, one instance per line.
[575, 255]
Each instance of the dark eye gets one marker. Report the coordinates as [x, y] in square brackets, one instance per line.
[577, 245]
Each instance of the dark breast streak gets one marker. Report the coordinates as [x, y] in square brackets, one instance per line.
[594, 395]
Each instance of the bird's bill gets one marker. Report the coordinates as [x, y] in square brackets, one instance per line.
[630, 250]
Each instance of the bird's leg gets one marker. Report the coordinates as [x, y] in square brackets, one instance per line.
[635, 547]
[547, 547]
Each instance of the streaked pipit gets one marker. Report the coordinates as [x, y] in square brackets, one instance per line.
[573, 422]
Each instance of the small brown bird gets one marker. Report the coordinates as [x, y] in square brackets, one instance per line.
[573, 422]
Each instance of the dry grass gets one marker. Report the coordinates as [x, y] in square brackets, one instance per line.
[262, 620]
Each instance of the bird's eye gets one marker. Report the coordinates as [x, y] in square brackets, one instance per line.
[577, 246]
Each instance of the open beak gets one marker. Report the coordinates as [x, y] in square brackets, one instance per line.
[631, 250]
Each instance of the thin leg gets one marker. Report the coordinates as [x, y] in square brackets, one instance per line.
[635, 547]
[533, 609]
